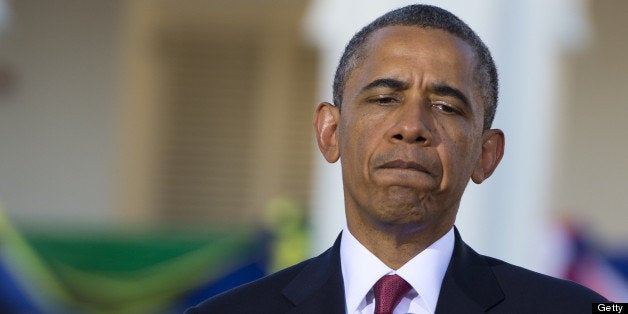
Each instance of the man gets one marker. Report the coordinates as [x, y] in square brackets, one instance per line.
[415, 94]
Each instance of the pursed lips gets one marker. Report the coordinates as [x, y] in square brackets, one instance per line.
[402, 164]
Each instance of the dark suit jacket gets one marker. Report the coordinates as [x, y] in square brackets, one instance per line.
[472, 284]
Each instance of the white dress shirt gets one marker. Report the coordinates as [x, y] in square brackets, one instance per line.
[424, 272]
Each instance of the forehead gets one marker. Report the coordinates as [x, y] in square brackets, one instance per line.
[413, 36]
[415, 53]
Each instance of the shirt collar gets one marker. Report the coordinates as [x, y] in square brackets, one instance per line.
[424, 272]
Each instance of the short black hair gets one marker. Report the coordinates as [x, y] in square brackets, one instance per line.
[425, 16]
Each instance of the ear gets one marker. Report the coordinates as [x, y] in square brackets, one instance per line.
[326, 126]
[492, 153]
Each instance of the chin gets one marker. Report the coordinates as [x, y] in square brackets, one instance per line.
[403, 212]
[405, 198]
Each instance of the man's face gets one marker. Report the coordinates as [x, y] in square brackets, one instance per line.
[409, 134]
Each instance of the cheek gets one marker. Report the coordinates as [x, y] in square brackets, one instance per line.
[351, 143]
[359, 134]
[362, 140]
[459, 153]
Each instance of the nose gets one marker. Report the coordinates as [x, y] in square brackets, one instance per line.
[410, 125]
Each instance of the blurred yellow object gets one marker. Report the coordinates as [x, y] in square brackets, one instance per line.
[285, 219]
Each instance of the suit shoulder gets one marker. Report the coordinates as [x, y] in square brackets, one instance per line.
[253, 296]
[538, 288]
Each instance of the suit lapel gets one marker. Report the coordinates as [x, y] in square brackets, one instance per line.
[469, 285]
[319, 287]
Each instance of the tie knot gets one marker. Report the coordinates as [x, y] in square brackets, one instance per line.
[389, 290]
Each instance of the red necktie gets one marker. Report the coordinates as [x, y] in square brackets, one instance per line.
[389, 290]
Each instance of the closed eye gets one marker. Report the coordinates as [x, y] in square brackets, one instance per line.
[383, 100]
[446, 108]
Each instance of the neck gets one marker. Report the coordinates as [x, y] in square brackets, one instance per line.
[396, 244]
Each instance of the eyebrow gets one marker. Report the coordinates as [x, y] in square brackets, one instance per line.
[386, 82]
[442, 89]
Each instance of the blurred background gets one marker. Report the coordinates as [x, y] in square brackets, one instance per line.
[156, 152]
